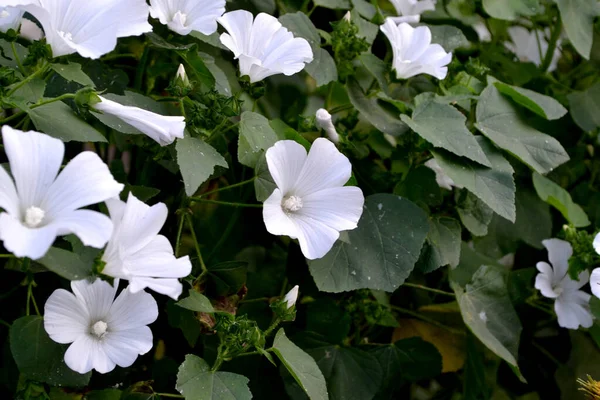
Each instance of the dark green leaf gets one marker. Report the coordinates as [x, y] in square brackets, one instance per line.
[584, 107]
[58, 120]
[197, 161]
[578, 19]
[474, 213]
[66, 264]
[196, 302]
[544, 106]
[560, 199]
[72, 72]
[256, 136]
[448, 36]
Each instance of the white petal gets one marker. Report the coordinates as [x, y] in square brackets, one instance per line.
[23, 241]
[595, 282]
[140, 225]
[325, 167]
[573, 310]
[338, 208]
[97, 297]
[596, 243]
[285, 161]
[199, 15]
[544, 280]
[276, 220]
[315, 238]
[10, 18]
[157, 260]
[9, 201]
[131, 310]
[163, 129]
[291, 296]
[569, 284]
[167, 286]
[65, 318]
[239, 25]
[87, 353]
[559, 252]
[86, 180]
[34, 160]
[91, 227]
[30, 30]
[124, 347]
[413, 7]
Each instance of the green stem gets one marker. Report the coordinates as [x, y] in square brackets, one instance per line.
[3, 322]
[225, 203]
[7, 256]
[552, 45]
[546, 353]
[40, 71]
[427, 319]
[417, 286]
[41, 103]
[17, 59]
[258, 300]
[227, 187]
[250, 353]
[191, 223]
[340, 109]
[176, 396]
[217, 364]
[533, 304]
[274, 325]
[141, 69]
[182, 108]
[179, 232]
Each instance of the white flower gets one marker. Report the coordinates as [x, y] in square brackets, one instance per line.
[443, 180]
[42, 204]
[291, 297]
[413, 7]
[483, 33]
[90, 28]
[137, 252]
[184, 16]
[595, 278]
[263, 46]
[413, 52]
[104, 332]
[163, 129]
[10, 18]
[531, 46]
[323, 119]
[571, 304]
[30, 30]
[311, 203]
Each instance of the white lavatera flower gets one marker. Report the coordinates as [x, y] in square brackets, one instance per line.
[291, 297]
[163, 129]
[413, 7]
[30, 30]
[137, 252]
[531, 46]
[185, 16]
[324, 121]
[413, 52]
[311, 203]
[553, 281]
[10, 18]
[263, 46]
[41, 203]
[441, 178]
[104, 331]
[90, 28]
[595, 277]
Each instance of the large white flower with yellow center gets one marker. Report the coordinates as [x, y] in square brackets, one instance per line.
[41, 204]
[311, 203]
[104, 331]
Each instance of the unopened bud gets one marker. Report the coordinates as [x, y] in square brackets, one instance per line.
[182, 75]
[291, 297]
[348, 16]
[323, 119]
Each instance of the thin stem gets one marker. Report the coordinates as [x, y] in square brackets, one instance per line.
[182, 108]
[546, 353]
[17, 59]
[40, 71]
[117, 56]
[176, 396]
[258, 300]
[7, 256]
[228, 187]
[552, 45]
[41, 103]
[427, 319]
[340, 109]
[533, 304]
[274, 325]
[141, 68]
[37, 310]
[191, 223]
[250, 353]
[417, 286]
[217, 364]
[3, 322]
[179, 232]
[225, 203]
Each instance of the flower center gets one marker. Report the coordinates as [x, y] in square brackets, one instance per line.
[180, 18]
[558, 290]
[99, 329]
[292, 203]
[66, 35]
[4, 14]
[34, 216]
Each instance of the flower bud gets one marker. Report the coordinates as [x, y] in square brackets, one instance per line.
[182, 76]
[291, 297]
[323, 119]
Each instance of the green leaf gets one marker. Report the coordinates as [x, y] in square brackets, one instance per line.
[499, 120]
[473, 212]
[58, 120]
[560, 199]
[221, 82]
[448, 36]
[544, 106]
[373, 112]
[584, 107]
[195, 381]
[322, 68]
[106, 394]
[264, 185]
[364, 8]
[379, 254]
[377, 68]
[487, 310]
[197, 161]
[301, 366]
[366, 30]
[196, 302]
[286, 132]
[584, 357]
[267, 6]
[73, 73]
[228, 277]
[161, 43]
[197, 68]
[38, 357]
[443, 239]
[420, 187]
[444, 126]
[410, 359]
[334, 4]
[256, 136]
[185, 320]
[578, 19]
[31, 92]
[7, 58]
[130, 99]
[494, 186]
[66, 264]
[511, 9]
